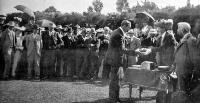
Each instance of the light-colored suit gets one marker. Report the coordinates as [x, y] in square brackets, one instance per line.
[30, 44]
[8, 44]
[34, 47]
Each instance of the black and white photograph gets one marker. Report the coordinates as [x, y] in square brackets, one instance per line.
[99, 51]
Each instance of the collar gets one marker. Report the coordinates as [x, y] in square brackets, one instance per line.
[185, 37]
[183, 40]
[122, 30]
[163, 35]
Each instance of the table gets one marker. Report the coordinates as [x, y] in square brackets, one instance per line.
[150, 79]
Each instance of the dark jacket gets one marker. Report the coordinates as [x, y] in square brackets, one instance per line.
[116, 50]
[8, 40]
[67, 42]
[48, 41]
[165, 55]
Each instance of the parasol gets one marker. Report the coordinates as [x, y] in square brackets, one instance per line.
[25, 10]
[45, 23]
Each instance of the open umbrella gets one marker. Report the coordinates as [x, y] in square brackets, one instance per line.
[25, 10]
[145, 14]
[45, 23]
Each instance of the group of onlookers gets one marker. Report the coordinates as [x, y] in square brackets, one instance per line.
[158, 43]
[56, 51]
[52, 51]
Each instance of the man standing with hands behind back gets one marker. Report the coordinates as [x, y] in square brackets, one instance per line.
[115, 58]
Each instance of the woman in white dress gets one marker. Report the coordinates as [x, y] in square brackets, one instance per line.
[19, 48]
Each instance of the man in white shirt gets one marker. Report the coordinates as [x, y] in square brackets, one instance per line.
[18, 49]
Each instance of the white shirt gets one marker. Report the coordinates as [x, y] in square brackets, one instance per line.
[145, 29]
[162, 38]
[51, 33]
[122, 30]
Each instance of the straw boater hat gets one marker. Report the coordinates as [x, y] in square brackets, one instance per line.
[77, 26]
[59, 27]
[131, 31]
[52, 25]
[165, 24]
[11, 23]
[2, 17]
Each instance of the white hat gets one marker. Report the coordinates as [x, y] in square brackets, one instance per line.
[59, 27]
[100, 30]
[153, 31]
[21, 28]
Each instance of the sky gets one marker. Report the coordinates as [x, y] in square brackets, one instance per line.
[7, 6]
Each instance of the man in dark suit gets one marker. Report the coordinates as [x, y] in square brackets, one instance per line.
[48, 61]
[115, 58]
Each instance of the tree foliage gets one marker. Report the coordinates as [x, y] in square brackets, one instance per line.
[145, 6]
[122, 6]
[50, 9]
[97, 5]
[90, 9]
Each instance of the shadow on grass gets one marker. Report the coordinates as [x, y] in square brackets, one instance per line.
[99, 82]
[123, 100]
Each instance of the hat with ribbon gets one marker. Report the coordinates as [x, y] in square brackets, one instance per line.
[20, 28]
[59, 27]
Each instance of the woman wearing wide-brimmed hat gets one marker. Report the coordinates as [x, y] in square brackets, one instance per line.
[18, 48]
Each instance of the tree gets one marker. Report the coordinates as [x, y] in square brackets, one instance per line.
[122, 6]
[90, 9]
[150, 6]
[168, 9]
[50, 9]
[145, 6]
[97, 5]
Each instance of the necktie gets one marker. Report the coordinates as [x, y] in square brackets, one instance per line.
[13, 40]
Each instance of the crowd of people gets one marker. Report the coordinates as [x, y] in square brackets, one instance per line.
[87, 53]
[52, 51]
